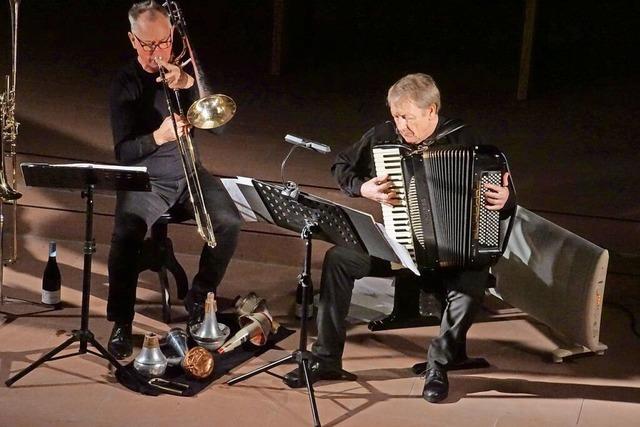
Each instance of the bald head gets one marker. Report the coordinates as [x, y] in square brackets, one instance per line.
[145, 13]
[151, 34]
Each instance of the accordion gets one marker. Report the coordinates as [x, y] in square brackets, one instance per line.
[442, 219]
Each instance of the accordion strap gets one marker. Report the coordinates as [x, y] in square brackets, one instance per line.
[387, 129]
[448, 127]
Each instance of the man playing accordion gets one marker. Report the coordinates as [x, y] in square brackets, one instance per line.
[414, 103]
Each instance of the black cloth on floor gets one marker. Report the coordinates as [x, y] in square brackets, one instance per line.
[223, 363]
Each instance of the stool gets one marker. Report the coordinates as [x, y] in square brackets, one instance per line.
[158, 256]
[406, 305]
[407, 312]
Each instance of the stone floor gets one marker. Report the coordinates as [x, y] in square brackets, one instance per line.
[521, 388]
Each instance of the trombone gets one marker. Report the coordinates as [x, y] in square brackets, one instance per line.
[208, 112]
[9, 129]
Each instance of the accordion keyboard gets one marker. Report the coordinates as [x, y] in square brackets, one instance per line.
[397, 221]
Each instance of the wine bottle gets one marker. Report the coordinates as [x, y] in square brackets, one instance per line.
[51, 280]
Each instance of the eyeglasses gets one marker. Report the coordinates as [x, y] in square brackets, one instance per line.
[150, 47]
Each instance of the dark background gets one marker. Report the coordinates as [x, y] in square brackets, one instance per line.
[576, 42]
[572, 144]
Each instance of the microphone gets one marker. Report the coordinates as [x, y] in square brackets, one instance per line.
[308, 144]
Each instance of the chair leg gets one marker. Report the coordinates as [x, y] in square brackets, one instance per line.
[163, 260]
[172, 264]
[166, 295]
[406, 309]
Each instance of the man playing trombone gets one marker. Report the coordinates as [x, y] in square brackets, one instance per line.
[145, 135]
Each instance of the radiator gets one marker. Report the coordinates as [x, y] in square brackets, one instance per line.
[556, 277]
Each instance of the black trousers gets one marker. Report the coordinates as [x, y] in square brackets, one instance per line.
[463, 292]
[137, 211]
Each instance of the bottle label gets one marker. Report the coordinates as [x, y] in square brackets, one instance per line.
[51, 297]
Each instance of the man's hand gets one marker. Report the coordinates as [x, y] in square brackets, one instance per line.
[165, 133]
[496, 196]
[176, 78]
[379, 189]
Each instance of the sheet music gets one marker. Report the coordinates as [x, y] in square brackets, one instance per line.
[401, 251]
[231, 184]
[376, 239]
[246, 199]
[381, 245]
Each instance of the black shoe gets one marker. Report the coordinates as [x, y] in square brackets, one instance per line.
[436, 386]
[317, 372]
[196, 314]
[121, 340]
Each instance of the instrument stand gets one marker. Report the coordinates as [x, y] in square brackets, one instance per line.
[3, 298]
[1, 252]
[301, 356]
[92, 178]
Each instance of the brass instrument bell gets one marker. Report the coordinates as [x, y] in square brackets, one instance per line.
[211, 111]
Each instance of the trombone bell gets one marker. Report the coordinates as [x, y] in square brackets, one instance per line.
[211, 111]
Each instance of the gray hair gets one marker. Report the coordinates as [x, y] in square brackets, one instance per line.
[139, 8]
[419, 88]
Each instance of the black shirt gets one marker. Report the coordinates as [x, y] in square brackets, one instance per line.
[354, 166]
[137, 107]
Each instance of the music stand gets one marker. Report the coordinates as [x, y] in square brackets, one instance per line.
[86, 177]
[312, 217]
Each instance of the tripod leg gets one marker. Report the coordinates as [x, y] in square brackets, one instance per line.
[312, 396]
[131, 375]
[257, 371]
[105, 353]
[40, 361]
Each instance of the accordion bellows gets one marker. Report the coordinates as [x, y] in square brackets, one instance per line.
[442, 220]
